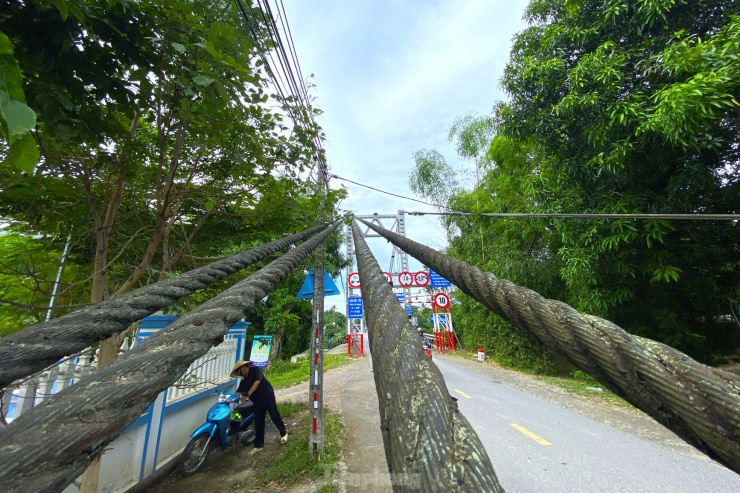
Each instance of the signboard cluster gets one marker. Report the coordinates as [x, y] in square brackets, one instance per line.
[406, 279]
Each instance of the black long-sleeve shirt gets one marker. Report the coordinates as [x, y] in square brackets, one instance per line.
[264, 393]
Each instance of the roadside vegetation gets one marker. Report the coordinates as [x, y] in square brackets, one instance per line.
[277, 466]
[294, 464]
[609, 110]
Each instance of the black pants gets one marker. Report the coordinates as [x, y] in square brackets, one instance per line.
[259, 422]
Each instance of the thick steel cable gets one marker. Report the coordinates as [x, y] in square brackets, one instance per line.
[699, 403]
[566, 215]
[36, 347]
[46, 448]
[428, 443]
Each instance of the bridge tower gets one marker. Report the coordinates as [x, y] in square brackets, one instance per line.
[392, 222]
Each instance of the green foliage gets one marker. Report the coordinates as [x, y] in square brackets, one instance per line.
[472, 136]
[16, 118]
[28, 267]
[432, 178]
[423, 317]
[632, 108]
[295, 461]
[160, 149]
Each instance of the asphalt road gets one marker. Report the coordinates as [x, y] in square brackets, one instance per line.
[536, 446]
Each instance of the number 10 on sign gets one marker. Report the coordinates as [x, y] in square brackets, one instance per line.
[441, 300]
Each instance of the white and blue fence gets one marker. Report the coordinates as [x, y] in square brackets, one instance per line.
[154, 440]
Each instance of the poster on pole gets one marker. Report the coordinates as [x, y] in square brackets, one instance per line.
[260, 351]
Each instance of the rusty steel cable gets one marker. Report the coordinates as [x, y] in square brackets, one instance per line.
[699, 403]
[46, 448]
[426, 436]
[36, 347]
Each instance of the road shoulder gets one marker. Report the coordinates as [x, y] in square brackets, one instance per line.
[624, 418]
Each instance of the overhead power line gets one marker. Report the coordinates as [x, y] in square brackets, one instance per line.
[282, 66]
[387, 193]
[559, 215]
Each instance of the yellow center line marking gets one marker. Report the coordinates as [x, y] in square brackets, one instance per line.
[462, 393]
[531, 435]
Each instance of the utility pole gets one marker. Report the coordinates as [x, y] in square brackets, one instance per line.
[316, 382]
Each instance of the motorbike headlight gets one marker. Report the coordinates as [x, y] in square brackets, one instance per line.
[222, 398]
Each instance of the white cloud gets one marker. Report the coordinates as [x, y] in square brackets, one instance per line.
[391, 77]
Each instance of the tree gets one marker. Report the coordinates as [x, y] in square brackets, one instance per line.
[518, 250]
[157, 145]
[633, 107]
[335, 329]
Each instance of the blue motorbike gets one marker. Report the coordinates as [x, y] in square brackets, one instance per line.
[227, 423]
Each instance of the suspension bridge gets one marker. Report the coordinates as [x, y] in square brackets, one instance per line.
[699, 403]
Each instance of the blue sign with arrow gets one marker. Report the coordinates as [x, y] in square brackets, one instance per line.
[306, 291]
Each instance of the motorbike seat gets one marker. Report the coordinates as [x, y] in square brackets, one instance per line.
[245, 407]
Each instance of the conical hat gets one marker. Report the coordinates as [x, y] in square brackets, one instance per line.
[238, 365]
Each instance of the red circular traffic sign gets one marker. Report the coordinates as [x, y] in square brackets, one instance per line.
[441, 300]
[388, 277]
[421, 278]
[405, 279]
[353, 280]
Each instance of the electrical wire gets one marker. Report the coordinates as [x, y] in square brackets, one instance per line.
[387, 193]
[525, 215]
[282, 72]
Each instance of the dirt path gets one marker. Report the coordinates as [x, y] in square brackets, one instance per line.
[350, 390]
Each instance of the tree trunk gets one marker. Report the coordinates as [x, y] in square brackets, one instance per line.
[108, 349]
[277, 343]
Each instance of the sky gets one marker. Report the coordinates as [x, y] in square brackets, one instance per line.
[391, 77]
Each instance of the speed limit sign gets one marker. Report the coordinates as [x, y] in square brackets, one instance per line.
[441, 300]
[354, 280]
[421, 278]
[388, 277]
[405, 279]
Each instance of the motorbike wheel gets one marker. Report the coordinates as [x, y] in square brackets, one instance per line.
[194, 455]
[245, 438]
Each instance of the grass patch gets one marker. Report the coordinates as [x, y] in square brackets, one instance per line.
[294, 464]
[582, 384]
[284, 374]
